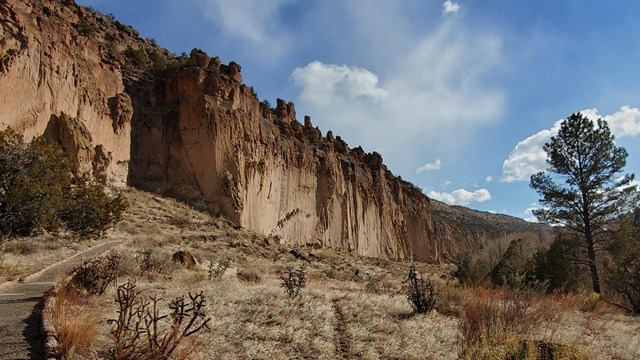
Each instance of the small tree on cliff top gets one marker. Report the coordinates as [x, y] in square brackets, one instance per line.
[582, 188]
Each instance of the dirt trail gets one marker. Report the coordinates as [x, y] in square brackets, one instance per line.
[21, 306]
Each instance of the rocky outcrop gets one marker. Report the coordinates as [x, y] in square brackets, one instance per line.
[130, 112]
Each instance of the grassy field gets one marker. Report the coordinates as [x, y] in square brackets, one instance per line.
[351, 307]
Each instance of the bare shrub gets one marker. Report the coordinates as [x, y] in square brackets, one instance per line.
[143, 332]
[149, 263]
[293, 281]
[496, 317]
[249, 275]
[95, 275]
[24, 246]
[373, 285]
[421, 294]
[216, 271]
[74, 333]
[449, 301]
[181, 221]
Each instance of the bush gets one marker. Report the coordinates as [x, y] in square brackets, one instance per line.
[95, 275]
[250, 276]
[38, 191]
[555, 267]
[149, 263]
[468, 273]
[216, 271]
[137, 56]
[293, 281]
[421, 294]
[510, 267]
[623, 268]
[495, 320]
[158, 59]
[85, 27]
[142, 332]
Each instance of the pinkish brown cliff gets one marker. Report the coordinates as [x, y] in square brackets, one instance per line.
[131, 112]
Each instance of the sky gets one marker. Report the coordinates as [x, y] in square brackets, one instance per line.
[457, 96]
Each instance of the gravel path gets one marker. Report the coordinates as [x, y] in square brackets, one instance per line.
[21, 306]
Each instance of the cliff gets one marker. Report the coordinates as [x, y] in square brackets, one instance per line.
[132, 113]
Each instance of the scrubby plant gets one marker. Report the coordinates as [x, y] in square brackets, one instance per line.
[249, 275]
[555, 267]
[137, 56]
[39, 191]
[89, 213]
[293, 281]
[158, 59]
[141, 331]
[469, 273]
[623, 267]
[215, 271]
[95, 275]
[149, 263]
[85, 27]
[421, 294]
[510, 267]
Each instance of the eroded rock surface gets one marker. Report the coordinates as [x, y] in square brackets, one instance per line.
[130, 112]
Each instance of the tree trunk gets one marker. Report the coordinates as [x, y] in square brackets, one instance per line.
[593, 266]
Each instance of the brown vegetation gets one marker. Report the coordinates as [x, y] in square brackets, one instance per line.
[339, 314]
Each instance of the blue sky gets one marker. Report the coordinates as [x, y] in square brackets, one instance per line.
[457, 96]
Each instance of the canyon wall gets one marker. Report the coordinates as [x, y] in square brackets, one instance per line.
[130, 112]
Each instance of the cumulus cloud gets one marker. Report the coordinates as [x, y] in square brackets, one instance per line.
[528, 157]
[432, 97]
[323, 84]
[450, 7]
[527, 214]
[624, 123]
[488, 179]
[430, 166]
[255, 21]
[461, 196]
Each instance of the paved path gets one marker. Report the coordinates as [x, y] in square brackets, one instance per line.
[21, 306]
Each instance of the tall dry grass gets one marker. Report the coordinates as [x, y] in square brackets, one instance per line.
[75, 332]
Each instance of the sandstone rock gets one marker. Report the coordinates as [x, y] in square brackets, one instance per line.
[185, 258]
[214, 64]
[121, 111]
[101, 161]
[199, 58]
[234, 72]
[330, 136]
[76, 140]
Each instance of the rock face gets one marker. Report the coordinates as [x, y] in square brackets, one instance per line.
[130, 112]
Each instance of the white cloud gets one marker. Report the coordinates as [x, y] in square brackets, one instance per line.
[461, 196]
[527, 214]
[322, 84]
[255, 21]
[624, 123]
[528, 157]
[488, 179]
[450, 7]
[430, 166]
[430, 97]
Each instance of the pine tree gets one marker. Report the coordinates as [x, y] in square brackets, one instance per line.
[582, 188]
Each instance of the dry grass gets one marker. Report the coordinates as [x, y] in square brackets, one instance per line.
[249, 275]
[335, 317]
[75, 331]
